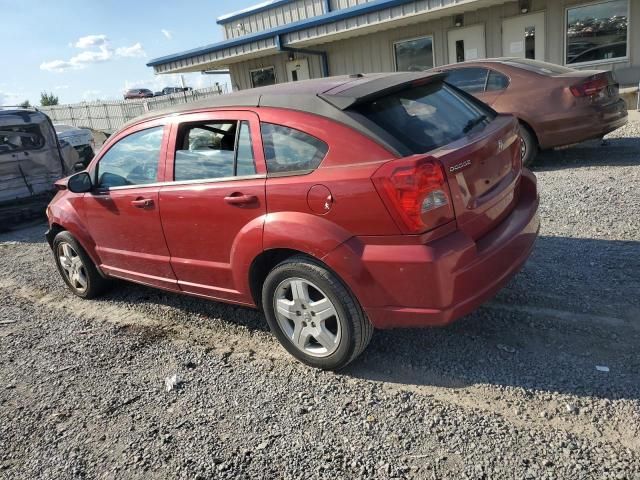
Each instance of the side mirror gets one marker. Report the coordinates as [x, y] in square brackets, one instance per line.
[78, 167]
[80, 183]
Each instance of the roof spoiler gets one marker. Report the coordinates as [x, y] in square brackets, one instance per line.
[365, 91]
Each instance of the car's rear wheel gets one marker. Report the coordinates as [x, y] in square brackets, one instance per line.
[76, 267]
[529, 145]
[313, 315]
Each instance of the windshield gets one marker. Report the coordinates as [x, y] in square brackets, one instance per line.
[427, 117]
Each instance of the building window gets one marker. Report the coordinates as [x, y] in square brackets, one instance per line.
[262, 77]
[597, 32]
[414, 55]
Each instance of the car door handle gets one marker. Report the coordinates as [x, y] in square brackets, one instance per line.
[240, 199]
[142, 202]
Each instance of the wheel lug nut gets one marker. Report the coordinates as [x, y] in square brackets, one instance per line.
[298, 313]
[304, 324]
[313, 314]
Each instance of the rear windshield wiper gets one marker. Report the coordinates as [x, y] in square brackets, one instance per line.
[472, 123]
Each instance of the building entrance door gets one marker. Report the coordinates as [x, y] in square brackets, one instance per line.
[466, 43]
[298, 70]
[523, 36]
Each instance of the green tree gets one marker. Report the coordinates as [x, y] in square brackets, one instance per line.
[25, 104]
[48, 99]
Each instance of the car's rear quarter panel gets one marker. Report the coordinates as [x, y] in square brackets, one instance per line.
[355, 206]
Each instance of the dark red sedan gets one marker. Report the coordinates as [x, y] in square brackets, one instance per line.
[556, 106]
[334, 205]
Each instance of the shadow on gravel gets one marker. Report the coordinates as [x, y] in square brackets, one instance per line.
[574, 306]
[26, 232]
[621, 152]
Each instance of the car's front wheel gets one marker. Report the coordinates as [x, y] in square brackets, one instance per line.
[76, 267]
[313, 315]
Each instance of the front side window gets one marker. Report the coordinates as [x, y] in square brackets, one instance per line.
[213, 150]
[427, 117]
[132, 160]
[263, 77]
[471, 80]
[597, 32]
[289, 150]
[414, 55]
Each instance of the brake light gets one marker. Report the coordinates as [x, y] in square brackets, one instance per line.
[590, 87]
[416, 192]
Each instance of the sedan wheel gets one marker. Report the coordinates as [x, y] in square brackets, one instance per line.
[307, 317]
[73, 267]
[313, 314]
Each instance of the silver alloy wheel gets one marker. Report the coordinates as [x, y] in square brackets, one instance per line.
[523, 148]
[307, 317]
[73, 267]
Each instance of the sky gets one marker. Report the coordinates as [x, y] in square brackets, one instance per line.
[83, 50]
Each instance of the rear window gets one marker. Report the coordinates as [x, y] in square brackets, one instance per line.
[17, 138]
[427, 117]
[542, 68]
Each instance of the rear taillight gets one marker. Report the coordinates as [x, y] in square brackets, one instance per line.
[590, 87]
[416, 192]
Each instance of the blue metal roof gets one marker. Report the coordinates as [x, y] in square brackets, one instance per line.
[282, 29]
[261, 7]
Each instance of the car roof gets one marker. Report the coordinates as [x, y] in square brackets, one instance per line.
[323, 96]
[328, 97]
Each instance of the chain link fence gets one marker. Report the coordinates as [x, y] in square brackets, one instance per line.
[109, 116]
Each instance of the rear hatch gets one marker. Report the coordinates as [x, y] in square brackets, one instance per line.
[449, 137]
[483, 169]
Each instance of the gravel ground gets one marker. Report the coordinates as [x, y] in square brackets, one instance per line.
[511, 391]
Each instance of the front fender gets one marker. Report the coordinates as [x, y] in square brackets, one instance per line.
[63, 211]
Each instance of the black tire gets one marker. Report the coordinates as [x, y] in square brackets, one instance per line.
[530, 145]
[95, 283]
[356, 330]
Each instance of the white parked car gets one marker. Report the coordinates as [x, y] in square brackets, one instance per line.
[79, 138]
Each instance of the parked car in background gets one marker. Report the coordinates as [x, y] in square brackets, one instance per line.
[138, 93]
[556, 106]
[170, 90]
[335, 205]
[81, 139]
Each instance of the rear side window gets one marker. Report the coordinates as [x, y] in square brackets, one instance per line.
[220, 149]
[471, 80]
[288, 150]
[427, 117]
[497, 81]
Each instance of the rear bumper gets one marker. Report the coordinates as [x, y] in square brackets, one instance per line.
[585, 124]
[436, 283]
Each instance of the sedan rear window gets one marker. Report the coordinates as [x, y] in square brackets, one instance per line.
[427, 117]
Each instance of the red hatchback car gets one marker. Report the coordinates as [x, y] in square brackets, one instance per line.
[335, 205]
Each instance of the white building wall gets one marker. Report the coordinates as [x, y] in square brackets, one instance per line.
[287, 13]
[374, 52]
